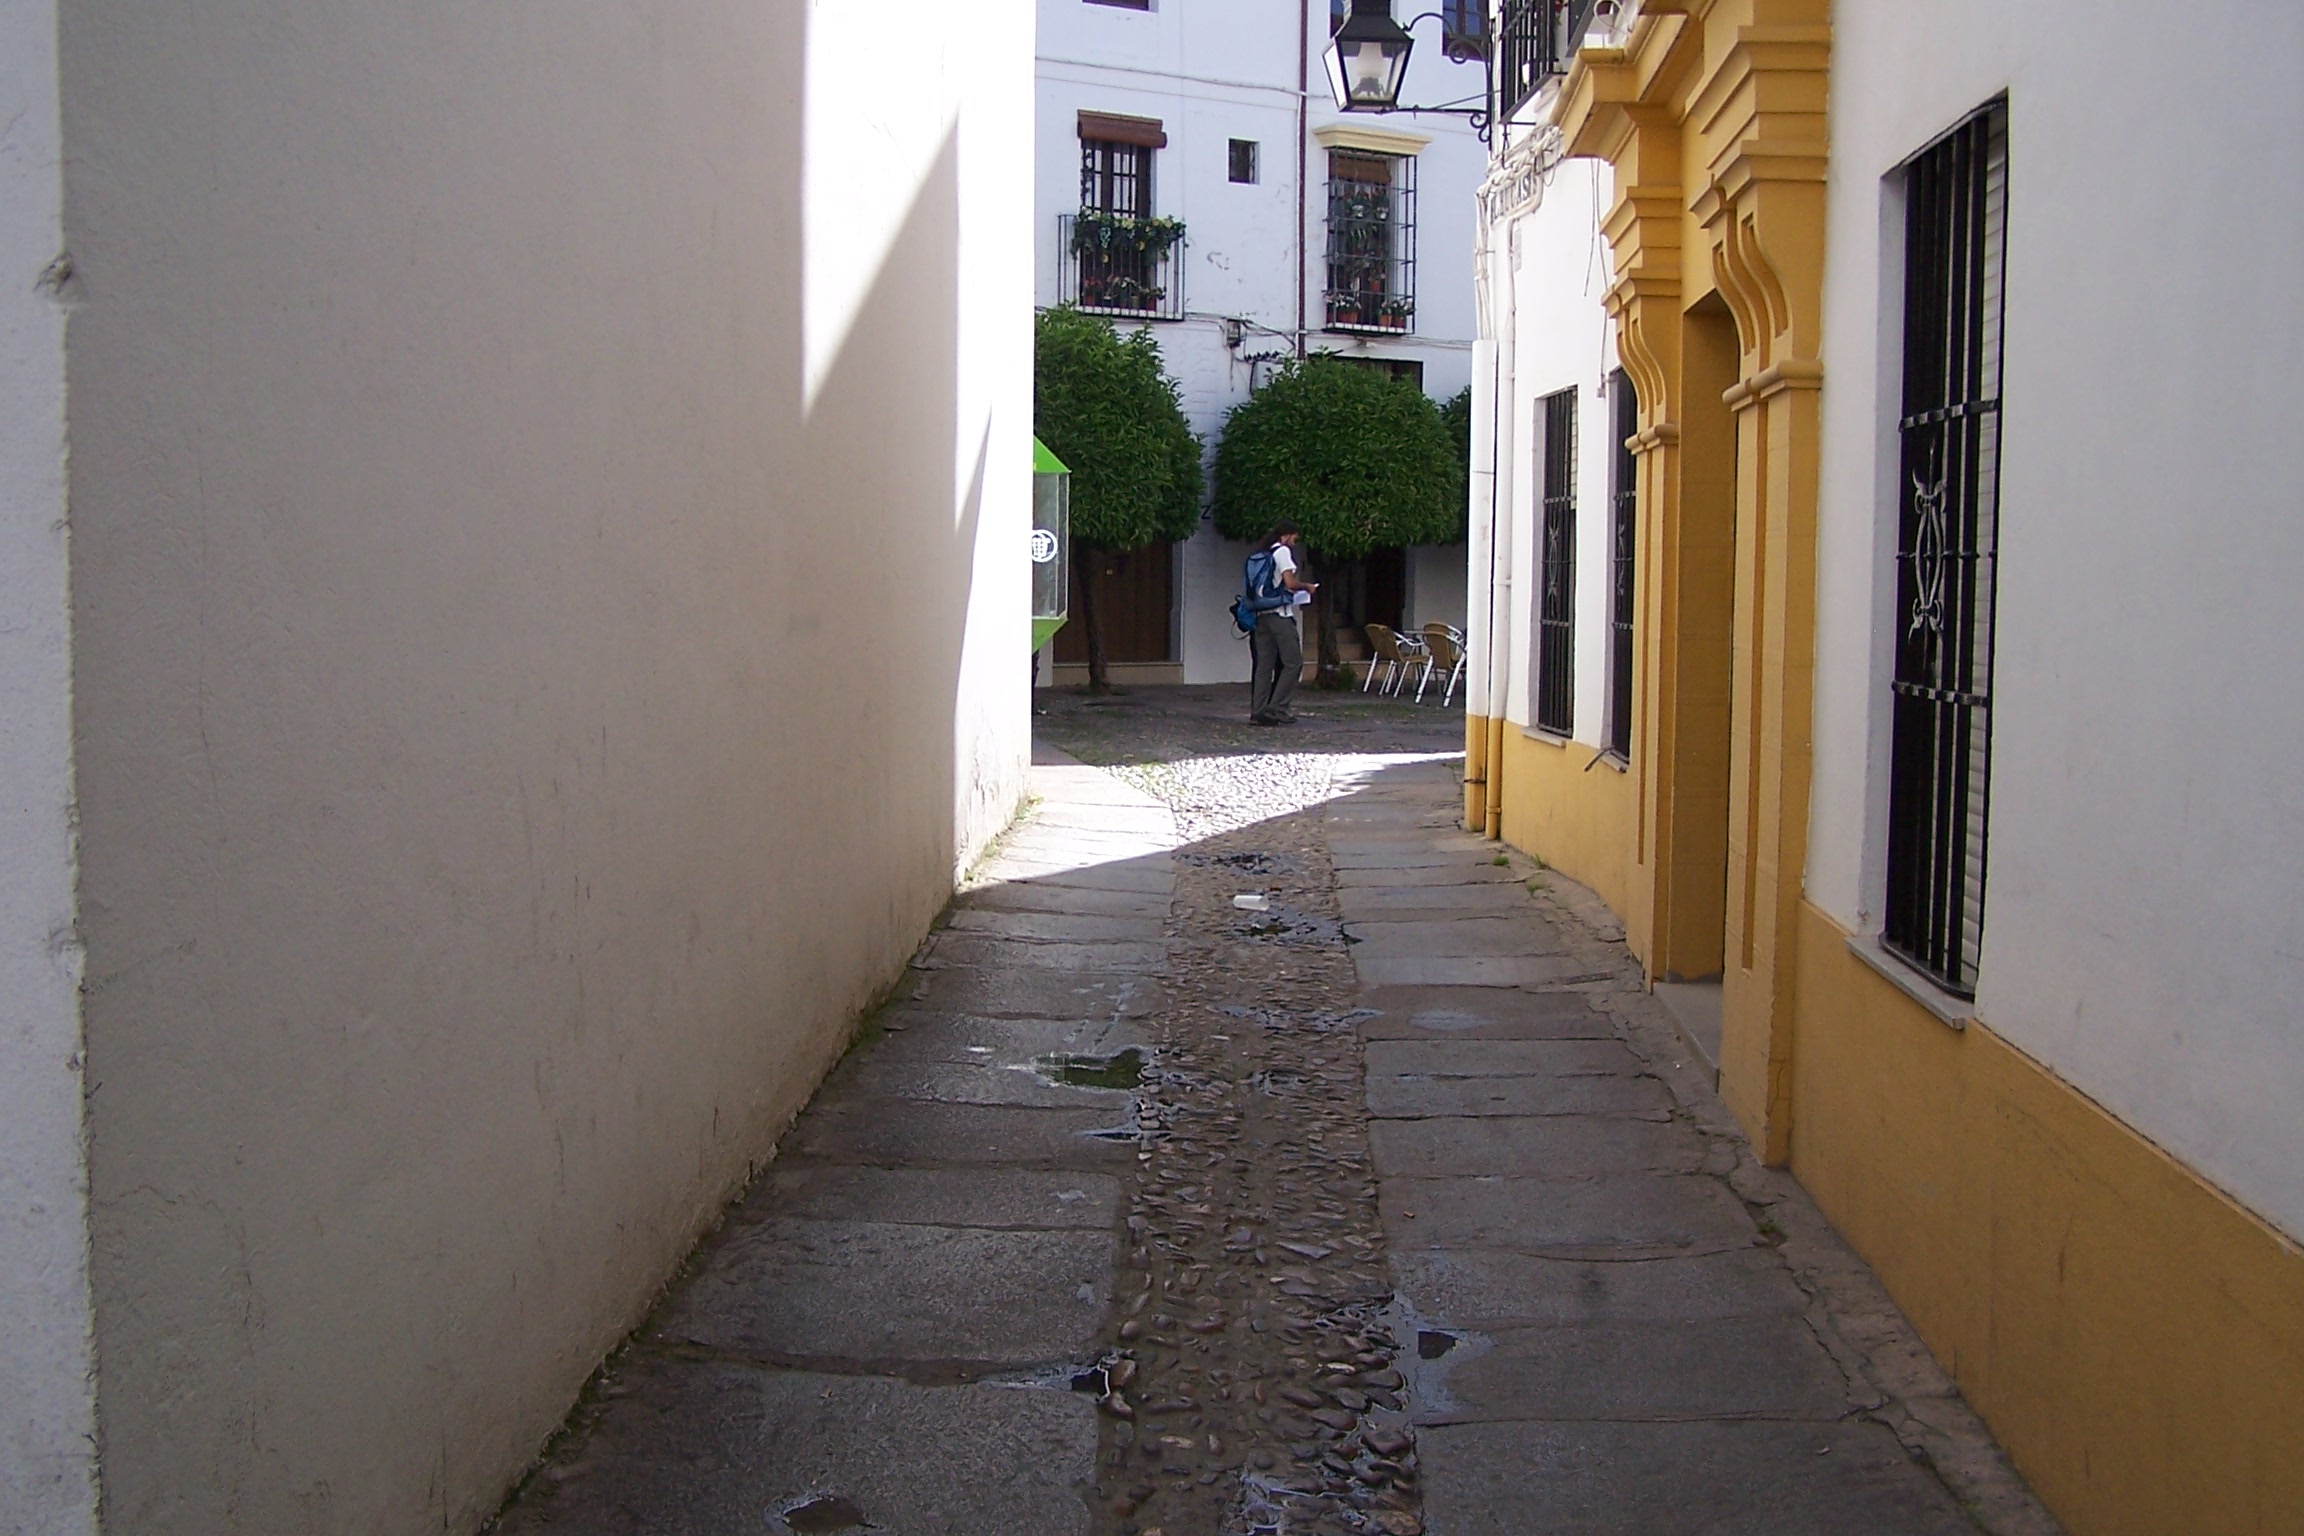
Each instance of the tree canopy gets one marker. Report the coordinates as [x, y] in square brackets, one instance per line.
[1355, 459]
[1103, 404]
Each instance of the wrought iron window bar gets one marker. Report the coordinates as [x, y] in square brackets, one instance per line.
[1115, 264]
[1536, 41]
[1955, 196]
[1556, 576]
[1371, 243]
[1624, 506]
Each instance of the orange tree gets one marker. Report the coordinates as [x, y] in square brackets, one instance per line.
[1104, 405]
[1355, 459]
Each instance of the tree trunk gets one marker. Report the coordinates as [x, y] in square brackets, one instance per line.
[1085, 558]
[1334, 584]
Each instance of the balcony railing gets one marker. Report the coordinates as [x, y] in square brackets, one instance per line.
[1117, 264]
[1539, 39]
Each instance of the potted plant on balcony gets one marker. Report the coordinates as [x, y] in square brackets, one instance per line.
[1120, 256]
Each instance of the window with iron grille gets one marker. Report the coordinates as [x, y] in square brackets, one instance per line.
[1371, 241]
[1624, 521]
[1240, 160]
[1538, 39]
[1556, 573]
[1116, 178]
[1464, 29]
[1955, 224]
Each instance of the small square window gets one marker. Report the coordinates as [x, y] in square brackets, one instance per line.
[1243, 160]
[1125, 5]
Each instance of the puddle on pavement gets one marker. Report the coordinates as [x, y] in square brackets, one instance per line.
[823, 1513]
[1121, 1072]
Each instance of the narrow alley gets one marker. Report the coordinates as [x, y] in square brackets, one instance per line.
[1253, 1151]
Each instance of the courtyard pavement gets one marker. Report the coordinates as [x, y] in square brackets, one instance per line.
[1251, 1150]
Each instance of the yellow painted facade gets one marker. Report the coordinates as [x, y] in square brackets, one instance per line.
[2135, 1338]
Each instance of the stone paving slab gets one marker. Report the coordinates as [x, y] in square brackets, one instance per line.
[1486, 1290]
[918, 1034]
[942, 1081]
[1632, 1211]
[897, 1131]
[1396, 903]
[1142, 875]
[1524, 1145]
[715, 1448]
[1072, 927]
[1467, 970]
[1018, 1199]
[1462, 1013]
[1457, 873]
[986, 951]
[886, 1295]
[1415, 1098]
[1498, 1058]
[1699, 1479]
[1028, 896]
[1453, 934]
[1038, 992]
[1721, 1368]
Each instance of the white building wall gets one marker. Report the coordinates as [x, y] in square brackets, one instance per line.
[1562, 339]
[2142, 935]
[548, 499]
[47, 1412]
[1213, 71]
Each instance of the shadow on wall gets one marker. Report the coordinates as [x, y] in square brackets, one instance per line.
[515, 735]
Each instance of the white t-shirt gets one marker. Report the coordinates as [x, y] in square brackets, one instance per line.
[1283, 562]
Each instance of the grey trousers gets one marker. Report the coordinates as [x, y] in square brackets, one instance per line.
[1278, 656]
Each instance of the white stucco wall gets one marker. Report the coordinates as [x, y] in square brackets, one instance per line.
[1211, 71]
[1562, 339]
[549, 618]
[47, 1411]
[2142, 935]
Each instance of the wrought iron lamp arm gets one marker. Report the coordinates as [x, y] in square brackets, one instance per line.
[1481, 117]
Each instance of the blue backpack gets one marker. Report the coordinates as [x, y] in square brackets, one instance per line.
[1262, 592]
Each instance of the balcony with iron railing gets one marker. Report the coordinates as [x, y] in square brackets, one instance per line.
[1537, 40]
[1119, 264]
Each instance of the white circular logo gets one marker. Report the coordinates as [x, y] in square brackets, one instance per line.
[1043, 546]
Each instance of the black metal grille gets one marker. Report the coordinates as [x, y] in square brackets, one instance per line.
[1371, 242]
[1624, 505]
[1107, 264]
[1556, 576]
[1116, 178]
[1539, 37]
[1955, 210]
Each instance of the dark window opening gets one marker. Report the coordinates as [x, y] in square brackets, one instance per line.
[1116, 178]
[1556, 570]
[1371, 241]
[1125, 5]
[1464, 29]
[1624, 509]
[1955, 224]
[1242, 160]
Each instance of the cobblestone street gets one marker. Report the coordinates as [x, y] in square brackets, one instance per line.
[1253, 1151]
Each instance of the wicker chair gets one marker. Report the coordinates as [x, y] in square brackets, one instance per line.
[1445, 642]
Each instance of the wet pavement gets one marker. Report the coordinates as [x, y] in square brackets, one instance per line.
[1253, 1151]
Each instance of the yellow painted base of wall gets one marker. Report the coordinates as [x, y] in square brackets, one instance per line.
[2134, 1338]
[1577, 819]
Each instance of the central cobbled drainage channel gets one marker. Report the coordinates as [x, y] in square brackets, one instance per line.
[1252, 1382]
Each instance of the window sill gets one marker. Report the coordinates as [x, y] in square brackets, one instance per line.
[1952, 1012]
[1611, 758]
[1549, 738]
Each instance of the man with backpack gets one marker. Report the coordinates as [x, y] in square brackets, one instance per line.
[1276, 647]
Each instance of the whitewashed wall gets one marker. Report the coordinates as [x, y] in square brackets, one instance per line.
[1561, 338]
[548, 503]
[47, 1411]
[2142, 932]
[1212, 71]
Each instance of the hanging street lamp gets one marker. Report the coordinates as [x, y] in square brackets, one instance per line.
[1368, 59]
